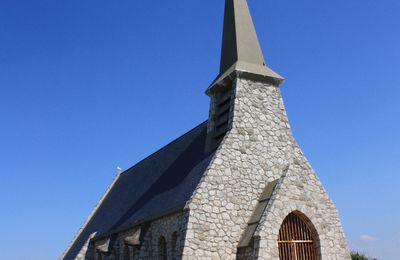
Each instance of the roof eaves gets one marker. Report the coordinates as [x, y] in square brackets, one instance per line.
[89, 218]
[247, 70]
[178, 209]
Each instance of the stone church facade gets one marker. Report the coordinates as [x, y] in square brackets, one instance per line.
[235, 187]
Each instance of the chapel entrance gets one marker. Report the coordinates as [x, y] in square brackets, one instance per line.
[296, 241]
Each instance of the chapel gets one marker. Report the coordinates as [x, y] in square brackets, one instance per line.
[235, 187]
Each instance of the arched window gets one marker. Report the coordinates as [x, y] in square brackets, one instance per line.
[297, 239]
[174, 242]
[116, 252]
[162, 248]
[99, 256]
[127, 254]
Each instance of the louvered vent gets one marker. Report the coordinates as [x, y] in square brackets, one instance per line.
[222, 116]
[219, 118]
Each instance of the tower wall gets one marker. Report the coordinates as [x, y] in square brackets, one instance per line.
[255, 151]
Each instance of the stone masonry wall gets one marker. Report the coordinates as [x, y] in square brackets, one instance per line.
[170, 228]
[255, 151]
[165, 227]
[300, 191]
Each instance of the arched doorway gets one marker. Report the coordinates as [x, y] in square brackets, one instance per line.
[297, 239]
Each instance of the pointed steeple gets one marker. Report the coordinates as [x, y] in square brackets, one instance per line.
[241, 52]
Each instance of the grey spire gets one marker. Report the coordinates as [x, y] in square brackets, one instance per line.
[241, 52]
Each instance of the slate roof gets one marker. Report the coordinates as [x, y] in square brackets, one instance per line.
[159, 184]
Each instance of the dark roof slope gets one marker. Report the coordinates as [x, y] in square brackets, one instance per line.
[155, 186]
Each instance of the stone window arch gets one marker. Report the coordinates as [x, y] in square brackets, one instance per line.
[174, 245]
[162, 248]
[298, 239]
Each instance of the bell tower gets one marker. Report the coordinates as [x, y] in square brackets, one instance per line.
[241, 57]
[259, 187]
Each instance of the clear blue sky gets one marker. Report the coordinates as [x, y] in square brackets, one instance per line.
[86, 86]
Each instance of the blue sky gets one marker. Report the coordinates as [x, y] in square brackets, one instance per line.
[86, 86]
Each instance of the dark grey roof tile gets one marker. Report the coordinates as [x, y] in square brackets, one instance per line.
[158, 184]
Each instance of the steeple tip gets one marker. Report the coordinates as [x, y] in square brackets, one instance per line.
[241, 51]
